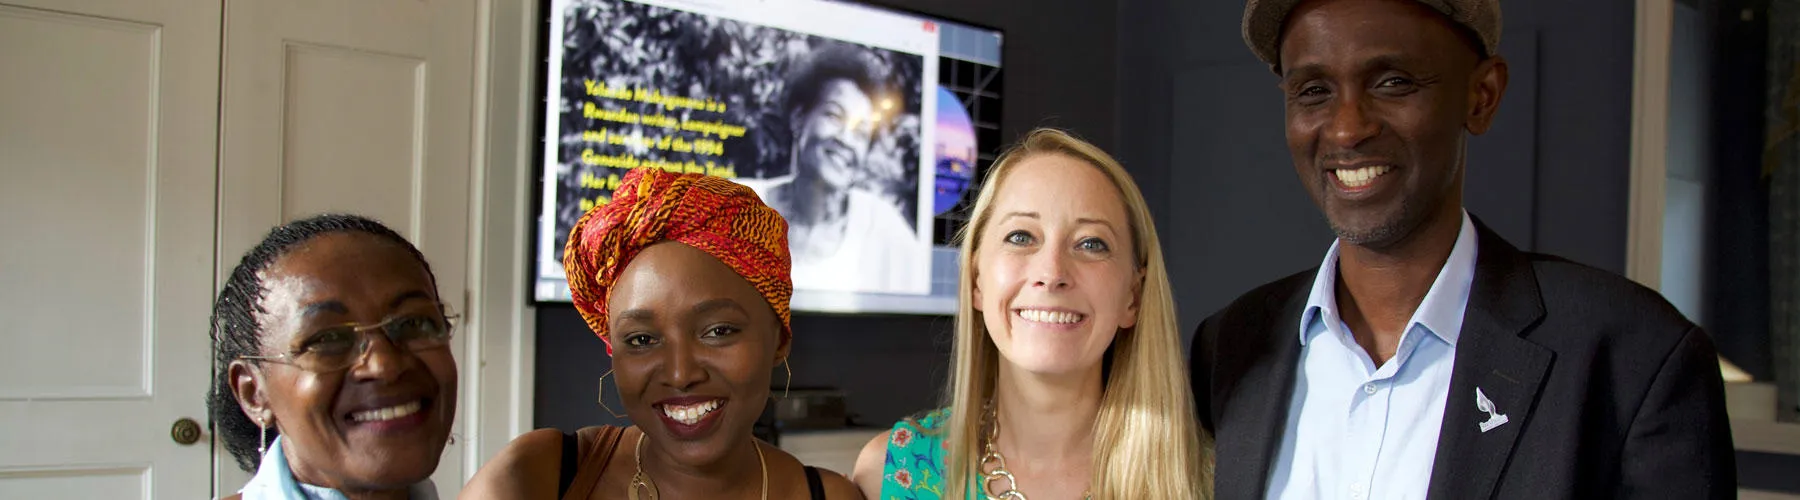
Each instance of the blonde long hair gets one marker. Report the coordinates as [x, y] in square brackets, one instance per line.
[1147, 443]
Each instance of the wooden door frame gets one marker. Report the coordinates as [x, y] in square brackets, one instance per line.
[501, 350]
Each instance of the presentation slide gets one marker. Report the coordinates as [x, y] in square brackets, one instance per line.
[831, 112]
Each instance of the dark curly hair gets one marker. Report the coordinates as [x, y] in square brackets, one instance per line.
[806, 80]
[236, 332]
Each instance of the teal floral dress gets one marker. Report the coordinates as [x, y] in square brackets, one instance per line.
[915, 459]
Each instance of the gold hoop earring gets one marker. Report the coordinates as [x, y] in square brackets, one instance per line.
[602, 396]
[790, 378]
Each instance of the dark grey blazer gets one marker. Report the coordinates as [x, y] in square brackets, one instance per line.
[1609, 391]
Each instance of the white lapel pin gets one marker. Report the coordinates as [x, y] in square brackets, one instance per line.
[1495, 418]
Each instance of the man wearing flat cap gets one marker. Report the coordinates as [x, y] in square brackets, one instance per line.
[1426, 357]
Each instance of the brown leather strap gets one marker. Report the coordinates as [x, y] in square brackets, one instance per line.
[593, 462]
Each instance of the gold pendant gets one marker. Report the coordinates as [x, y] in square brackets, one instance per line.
[642, 481]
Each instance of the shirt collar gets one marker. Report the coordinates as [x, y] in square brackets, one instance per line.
[275, 481]
[1441, 312]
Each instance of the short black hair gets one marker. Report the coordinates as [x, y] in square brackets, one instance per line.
[236, 332]
[836, 60]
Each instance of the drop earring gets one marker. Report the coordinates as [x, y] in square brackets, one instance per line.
[262, 440]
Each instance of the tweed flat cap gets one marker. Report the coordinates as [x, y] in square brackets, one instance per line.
[1263, 20]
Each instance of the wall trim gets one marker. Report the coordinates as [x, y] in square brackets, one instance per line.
[1649, 141]
[498, 375]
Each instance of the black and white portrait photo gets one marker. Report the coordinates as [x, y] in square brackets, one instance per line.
[826, 131]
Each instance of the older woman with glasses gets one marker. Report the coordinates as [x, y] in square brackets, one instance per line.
[332, 373]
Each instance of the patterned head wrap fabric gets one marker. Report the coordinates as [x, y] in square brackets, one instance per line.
[717, 216]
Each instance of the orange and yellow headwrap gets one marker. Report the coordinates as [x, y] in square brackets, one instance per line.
[717, 216]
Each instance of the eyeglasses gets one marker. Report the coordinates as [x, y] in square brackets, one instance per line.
[338, 347]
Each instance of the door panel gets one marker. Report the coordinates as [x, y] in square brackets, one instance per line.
[108, 130]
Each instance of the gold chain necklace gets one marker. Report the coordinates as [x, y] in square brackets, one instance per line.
[640, 480]
[991, 455]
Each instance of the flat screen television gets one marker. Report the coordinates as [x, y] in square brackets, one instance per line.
[867, 128]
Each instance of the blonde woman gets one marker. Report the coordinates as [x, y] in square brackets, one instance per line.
[1069, 381]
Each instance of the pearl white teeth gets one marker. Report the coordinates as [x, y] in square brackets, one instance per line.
[389, 413]
[1042, 316]
[691, 414]
[1359, 177]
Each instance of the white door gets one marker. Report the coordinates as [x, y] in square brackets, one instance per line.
[108, 130]
[352, 106]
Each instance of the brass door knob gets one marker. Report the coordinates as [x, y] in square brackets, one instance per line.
[185, 432]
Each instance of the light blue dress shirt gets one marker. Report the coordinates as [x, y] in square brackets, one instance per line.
[275, 481]
[1355, 430]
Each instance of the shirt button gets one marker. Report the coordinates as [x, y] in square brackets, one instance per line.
[1369, 389]
[1357, 490]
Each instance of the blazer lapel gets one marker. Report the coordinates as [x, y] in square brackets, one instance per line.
[1497, 376]
[1259, 401]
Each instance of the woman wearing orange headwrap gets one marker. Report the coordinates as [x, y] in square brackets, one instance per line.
[686, 279]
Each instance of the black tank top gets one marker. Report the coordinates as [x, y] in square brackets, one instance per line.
[570, 460]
